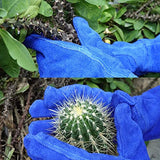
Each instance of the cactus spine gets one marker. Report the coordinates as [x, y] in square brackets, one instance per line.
[85, 124]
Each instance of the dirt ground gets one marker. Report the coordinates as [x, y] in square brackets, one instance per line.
[19, 94]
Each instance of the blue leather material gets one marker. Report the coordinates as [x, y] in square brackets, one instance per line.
[145, 110]
[94, 58]
[40, 145]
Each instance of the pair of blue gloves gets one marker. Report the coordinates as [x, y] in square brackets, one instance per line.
[94, 58]
[136, 119]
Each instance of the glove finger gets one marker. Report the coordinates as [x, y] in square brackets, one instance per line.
[39, 109]
[121, 97]
[129, 136]
[46, 147]
[45, 126]
[86, 34]
[54, 97]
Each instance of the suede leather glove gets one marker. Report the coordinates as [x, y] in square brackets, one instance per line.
[140, 57]
[145, 110]
[42, 146]
[65, 59]
[94, 58]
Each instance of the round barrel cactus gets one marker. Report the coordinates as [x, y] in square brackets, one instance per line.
[86, 124]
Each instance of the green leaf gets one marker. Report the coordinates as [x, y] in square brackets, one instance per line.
[109, 80]
[23, 34]
[45, 9]
[1, 21]
[97, 2]
[18, 7]
[119, 33]
[9, 156]
[148, 34]
[106, 88]
[130, 1]
[105, 17]
[34, 2]
[97, 80]
[123, 86]
[18, 51]
[156, 9]
[100, 28]
[14, 6]
[73, 1]
[112, 11]
[1, 95]
[130, 20]
[130, 36]
[151, 26]
[113, 86]
[22, 87]
[0, 3]
[77, 79]
[31, 12]
[127, 24]
[158, 28]
[139, 24]
[81, 82]
[146, 142]
[121, 12]
[92, 85]
[88, 11]
[3, 12]
[119, 21]
[7, 63]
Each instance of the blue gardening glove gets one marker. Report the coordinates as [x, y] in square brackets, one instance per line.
[65, 59]
[94, 58]
[145, 110]
[42, 146]
[140, 57]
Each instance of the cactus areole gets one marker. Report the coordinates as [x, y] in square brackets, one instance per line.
[86, 124]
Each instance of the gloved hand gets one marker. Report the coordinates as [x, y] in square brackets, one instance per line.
[94, 58]
[65, 59]
[145, 110]
[140, 57]
[42, 146]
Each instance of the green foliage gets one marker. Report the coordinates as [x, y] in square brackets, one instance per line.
[13, 54]
[3, 13]
[86, 124]
[45, 9]
[90, 12]
[108, 84]
[1, 95]
[8, 150]
[8, 64]
[18, 51]
[104, 14]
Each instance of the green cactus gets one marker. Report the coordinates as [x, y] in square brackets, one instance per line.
[86, 124]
